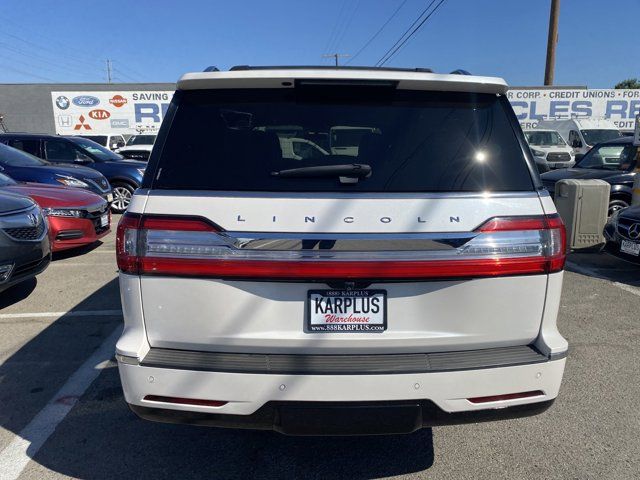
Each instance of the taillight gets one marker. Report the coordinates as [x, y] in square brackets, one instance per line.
[187, 246]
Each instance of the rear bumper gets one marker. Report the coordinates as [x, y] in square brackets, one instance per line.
[332, 418]
[366, 404]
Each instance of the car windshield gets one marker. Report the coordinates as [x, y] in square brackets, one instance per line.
[6, 181]
[101, 139]
[609, 157]
[141, 140]
[95, 150]
[544, 138]
[594, 136]
[17, 158]
[407, 141]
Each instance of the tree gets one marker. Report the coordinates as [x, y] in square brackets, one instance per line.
[628, 83]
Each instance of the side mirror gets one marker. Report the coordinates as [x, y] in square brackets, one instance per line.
[576, 143]
[579, 156]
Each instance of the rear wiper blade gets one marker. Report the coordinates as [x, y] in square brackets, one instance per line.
[348, 173]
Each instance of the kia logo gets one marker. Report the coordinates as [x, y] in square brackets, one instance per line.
[85, 101]
[634, 231]
[99, 114]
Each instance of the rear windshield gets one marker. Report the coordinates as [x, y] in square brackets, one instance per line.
[409, 141]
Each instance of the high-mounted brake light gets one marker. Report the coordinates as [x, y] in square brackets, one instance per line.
[187, 246]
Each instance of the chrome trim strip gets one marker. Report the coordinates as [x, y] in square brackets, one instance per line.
[351, 242]
[361, 364]
[340, 195]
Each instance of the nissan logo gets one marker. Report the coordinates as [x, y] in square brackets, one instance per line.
[634, 231]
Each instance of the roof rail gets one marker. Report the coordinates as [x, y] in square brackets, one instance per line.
[211, 68]
[326, 67]
[460, 71]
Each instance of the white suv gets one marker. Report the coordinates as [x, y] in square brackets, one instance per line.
[412, 282]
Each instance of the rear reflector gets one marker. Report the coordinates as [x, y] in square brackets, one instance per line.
[507, 396]
[184, 401]
[194, 247]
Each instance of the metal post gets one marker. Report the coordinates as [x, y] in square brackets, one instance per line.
[108, 71]
[552, 41]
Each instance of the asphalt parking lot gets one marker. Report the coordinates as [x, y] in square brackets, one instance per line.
[51, 329]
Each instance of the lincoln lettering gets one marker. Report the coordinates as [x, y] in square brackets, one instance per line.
[349, 219]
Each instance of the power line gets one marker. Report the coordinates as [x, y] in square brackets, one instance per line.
[415, 22]
[401, 42]
[375, 35]
[347, 25]
[22, 72]
[335, 26]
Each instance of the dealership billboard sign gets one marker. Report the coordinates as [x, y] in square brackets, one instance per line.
[90, 112]
[533, 105]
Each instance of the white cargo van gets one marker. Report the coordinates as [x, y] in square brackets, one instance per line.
[582, 133]
[549, 146]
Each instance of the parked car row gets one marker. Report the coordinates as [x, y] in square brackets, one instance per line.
[56, 194]
[78, 162]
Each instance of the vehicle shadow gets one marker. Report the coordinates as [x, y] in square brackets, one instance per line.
[76, 252]
[102, 439]
[34, 373]
[17, 292]
[604, 266]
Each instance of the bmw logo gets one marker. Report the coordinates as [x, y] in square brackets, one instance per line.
[62, 102]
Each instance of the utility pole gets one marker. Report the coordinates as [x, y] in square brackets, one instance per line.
[552, 41]
[108, 71]
[336, 56]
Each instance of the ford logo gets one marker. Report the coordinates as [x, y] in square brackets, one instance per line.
[85, 101]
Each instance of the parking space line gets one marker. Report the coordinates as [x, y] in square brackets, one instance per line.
[15, 457]
[72, 313]
[590, 272]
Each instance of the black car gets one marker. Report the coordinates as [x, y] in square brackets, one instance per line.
[612, 161]
[24, 243]
[622, 233]
[123, 175]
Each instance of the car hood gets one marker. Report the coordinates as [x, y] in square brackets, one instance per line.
[632, 213]
[132, 163]
[10, 202]
[580, 173]
[53, 196]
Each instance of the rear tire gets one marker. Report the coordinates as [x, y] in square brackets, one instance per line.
[122, 193]
[616, 204]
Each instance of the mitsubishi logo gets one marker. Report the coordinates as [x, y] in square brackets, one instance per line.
[81, 124]
[33, 219]
[634, 231]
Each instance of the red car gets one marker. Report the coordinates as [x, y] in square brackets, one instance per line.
[76, 217]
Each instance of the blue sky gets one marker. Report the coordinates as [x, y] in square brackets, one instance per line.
[68, 41]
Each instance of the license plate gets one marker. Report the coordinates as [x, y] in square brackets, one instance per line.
[104, 220]
[347, 311]
[109, 197]
[630, 248]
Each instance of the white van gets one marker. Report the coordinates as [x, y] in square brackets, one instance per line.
[582, 133]
[548, 145]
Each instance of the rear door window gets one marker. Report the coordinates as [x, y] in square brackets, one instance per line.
[412, 141]
[29, 146]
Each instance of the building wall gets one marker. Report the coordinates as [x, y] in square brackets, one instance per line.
[28, 108]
